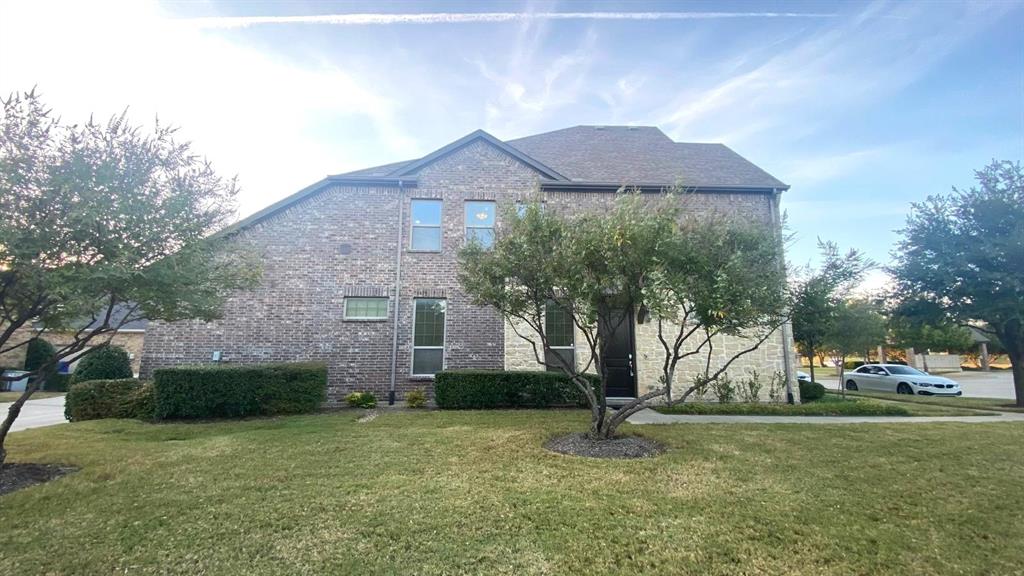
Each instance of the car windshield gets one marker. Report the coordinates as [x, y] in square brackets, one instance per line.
[907, 370]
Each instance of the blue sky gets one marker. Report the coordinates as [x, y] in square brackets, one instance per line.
[861, 107]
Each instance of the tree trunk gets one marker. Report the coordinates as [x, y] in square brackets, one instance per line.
[12, 415]
[924, 360]
[842, 376]
[810, 356]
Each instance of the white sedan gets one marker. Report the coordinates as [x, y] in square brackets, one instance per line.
[901, 380]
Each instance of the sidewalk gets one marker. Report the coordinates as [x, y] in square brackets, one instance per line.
[652, 417]
[37, 413]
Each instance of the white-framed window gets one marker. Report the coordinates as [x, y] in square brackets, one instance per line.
[366, 308]
[480, 216]
[428, 336]
[561, 333]
[426, 225]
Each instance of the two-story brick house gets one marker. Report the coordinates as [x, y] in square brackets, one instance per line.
[360, 268]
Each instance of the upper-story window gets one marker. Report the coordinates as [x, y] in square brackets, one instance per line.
[426, 225]
[480, 222]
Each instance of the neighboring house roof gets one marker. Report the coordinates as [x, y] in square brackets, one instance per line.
[577, 158]
[977, 336]
[116, 316]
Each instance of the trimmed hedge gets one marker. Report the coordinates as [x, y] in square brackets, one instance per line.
[239, 391]
[37, 353]
[811, 391]
[103, 363]
[97, 399]
[486, 389]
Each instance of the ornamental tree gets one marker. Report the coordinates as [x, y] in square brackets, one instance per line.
[818, 295]
[857, 326]
[603, 268]
[964, 252]
[104, 224]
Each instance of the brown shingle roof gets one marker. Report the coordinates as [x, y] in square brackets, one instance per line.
[627, 155]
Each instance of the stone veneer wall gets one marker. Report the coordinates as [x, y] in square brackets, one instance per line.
[766, 360]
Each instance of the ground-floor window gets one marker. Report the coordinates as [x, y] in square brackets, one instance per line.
[428, 336]
[560, 331]
[362, 308]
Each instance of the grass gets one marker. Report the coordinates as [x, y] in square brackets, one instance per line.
[12, 396]
[474, 493]
[1002, 404]
[830, 405]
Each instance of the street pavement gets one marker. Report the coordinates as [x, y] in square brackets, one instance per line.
[37, 413]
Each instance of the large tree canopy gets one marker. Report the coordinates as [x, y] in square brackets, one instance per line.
[104, 224]
[964, 253]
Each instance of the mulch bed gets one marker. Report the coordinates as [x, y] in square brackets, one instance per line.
[619, 447]
[17, 475]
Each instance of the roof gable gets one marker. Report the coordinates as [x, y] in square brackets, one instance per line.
[411, 168]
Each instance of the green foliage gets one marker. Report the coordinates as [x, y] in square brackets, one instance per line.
[964, 253]
[57, 382]
[96, 399]
[857, 326]
[103, 363]
[38, 353]
[488, 389]
[751, 387]
[361, 400]
[817, 408]
[921, 325]
[817, 298]
[811, 391]
[717, 275]
[723, 389]
[416, 398]
[239, 391]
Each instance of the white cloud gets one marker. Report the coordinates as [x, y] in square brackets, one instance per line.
[250, 112]
[479, 17]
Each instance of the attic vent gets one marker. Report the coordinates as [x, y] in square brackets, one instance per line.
[633, 128]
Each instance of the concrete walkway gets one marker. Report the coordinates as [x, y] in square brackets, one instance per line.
[652, 417]
[37, 413]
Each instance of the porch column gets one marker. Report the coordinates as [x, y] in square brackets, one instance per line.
[984, 355]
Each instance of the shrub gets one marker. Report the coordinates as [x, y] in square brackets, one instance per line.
[775, 386]
[361, 400]
[56, 382]
[103, 363]
[723, 389]
[811, 391]
[485, 389]
[96, 399]
[852, 364]
[751, 387]
[416, 398]
[238, 391]
[37, 353]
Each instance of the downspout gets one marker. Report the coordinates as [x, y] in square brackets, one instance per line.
[787, 349]
[398, 293]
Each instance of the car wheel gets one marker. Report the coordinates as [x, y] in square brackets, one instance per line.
[851, 385]
[904, 388]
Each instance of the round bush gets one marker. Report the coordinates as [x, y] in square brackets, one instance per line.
[416, 398]
[103, 363]
[37, 353]
[811, 391]
[361, 400]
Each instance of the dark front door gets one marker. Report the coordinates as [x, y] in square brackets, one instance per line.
[619, 356]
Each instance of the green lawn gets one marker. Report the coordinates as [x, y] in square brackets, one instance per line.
[474, 493]
[1003, 404]
[830, 405]
[12, 396]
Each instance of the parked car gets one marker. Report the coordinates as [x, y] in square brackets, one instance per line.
[901, 380]
[803, 376]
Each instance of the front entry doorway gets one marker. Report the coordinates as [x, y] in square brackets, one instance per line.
[620, 356]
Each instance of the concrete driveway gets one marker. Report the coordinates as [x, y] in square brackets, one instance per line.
[37, 413]
[994, 384]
